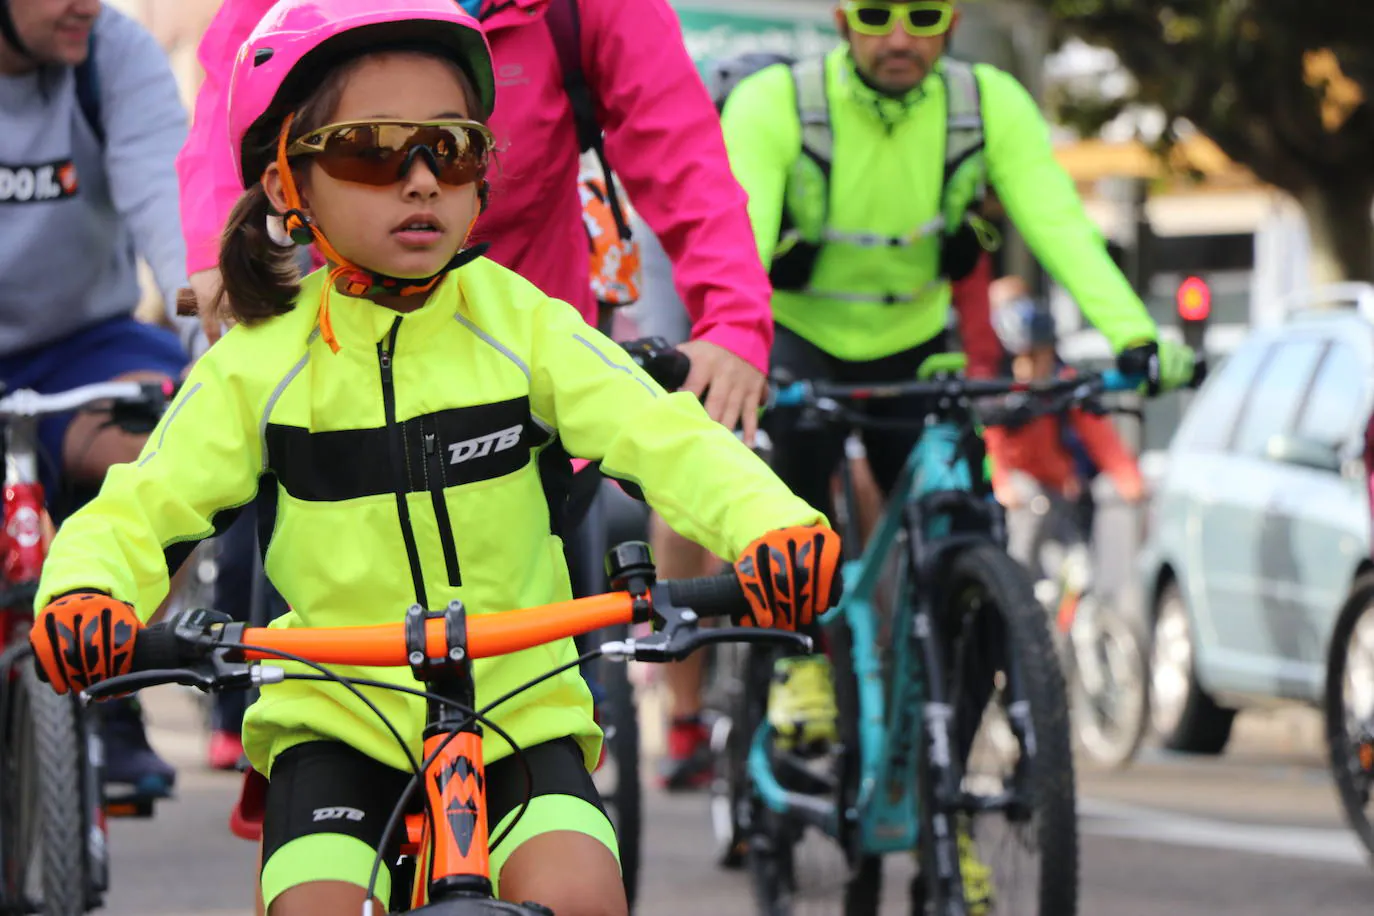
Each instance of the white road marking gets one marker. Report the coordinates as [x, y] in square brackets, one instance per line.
[1104, 818]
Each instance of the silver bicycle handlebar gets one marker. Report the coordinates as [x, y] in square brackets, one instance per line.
[27, 403]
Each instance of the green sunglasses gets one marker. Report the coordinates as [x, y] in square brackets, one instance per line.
[920, 18]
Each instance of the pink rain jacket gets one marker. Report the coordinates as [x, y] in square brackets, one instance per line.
[662, 137]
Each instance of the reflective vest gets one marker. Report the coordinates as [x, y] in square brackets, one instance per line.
[805, 225]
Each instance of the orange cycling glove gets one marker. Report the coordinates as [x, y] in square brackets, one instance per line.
[83, 638]
[789, 576]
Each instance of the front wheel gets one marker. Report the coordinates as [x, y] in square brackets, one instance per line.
[1108, 675]
[1009, 727]
[42, 821]
[1349, 708]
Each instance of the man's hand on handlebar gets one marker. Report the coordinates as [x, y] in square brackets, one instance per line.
[1165, 365]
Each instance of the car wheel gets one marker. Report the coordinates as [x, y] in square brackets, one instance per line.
[1182, 714]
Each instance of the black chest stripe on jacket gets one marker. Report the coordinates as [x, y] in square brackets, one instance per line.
[470, 444]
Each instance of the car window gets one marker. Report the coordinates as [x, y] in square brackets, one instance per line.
[1210, 418]
[1332, 409]
[1273, 400]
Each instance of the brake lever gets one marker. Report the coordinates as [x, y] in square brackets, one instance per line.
[214, 673]
[139, 680]
[661, 647]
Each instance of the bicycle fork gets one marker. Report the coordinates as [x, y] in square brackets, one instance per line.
[937, 717]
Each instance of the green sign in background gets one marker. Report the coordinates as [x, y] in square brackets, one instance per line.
[713, 32]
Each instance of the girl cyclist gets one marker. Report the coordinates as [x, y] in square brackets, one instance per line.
[410, 407]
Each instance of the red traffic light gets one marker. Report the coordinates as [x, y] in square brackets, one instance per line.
[1194, 299]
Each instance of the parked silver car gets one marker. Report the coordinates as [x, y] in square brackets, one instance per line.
[1260, 523]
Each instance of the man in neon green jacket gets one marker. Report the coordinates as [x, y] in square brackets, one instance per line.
[865, 171]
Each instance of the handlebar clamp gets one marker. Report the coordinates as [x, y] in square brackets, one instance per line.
[424, 667]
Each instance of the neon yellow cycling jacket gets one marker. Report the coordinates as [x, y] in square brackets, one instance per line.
[886, 178]
[415, 465]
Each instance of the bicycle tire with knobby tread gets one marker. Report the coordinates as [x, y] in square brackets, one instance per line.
[1338, 752]
[1009, 589]
[769, 839]
[863, 889]
[57, 755]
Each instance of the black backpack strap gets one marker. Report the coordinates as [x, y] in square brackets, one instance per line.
[564, 20]
[565, 25]
[88, 91]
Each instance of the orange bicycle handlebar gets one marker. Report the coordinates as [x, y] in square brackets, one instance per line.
[488, 635]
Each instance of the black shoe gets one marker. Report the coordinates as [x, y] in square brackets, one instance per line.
[129, 759]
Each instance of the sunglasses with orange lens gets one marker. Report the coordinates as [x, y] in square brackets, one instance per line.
[378, 153]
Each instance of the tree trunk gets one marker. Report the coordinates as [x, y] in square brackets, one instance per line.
[1342, 231]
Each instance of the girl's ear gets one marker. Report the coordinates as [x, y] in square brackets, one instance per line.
[272, 184]
[295, 221]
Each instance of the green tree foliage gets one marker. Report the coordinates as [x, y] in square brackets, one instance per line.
[1284, 87]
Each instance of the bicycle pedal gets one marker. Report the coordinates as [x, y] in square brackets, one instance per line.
[130, 806]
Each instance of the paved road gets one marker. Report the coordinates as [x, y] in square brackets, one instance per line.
[1256, 833]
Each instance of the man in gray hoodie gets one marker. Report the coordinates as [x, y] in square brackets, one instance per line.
[90, 126]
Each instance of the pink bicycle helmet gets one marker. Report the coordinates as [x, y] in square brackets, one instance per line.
[298, 41]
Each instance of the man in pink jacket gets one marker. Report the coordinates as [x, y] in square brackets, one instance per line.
[662, 136]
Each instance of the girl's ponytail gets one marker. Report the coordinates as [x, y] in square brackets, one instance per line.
[260, 276]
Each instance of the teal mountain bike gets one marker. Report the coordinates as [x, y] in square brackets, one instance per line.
[942, 661]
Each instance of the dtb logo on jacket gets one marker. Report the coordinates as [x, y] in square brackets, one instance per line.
[482, 446]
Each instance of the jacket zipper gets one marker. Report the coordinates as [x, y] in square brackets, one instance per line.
[436, 492]
[385, 348]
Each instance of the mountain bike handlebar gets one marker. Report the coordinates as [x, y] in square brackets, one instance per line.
[25, 403]
[204, 649]
[811, 393]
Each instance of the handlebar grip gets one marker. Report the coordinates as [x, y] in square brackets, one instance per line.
[665, 364]
[157, 647]
[710, 596]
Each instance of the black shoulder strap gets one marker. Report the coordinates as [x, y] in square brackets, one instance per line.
[88, 91]
[565, 25]
[564, 20]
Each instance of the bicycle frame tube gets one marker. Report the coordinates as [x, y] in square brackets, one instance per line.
[456, 790]
[892, 726]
